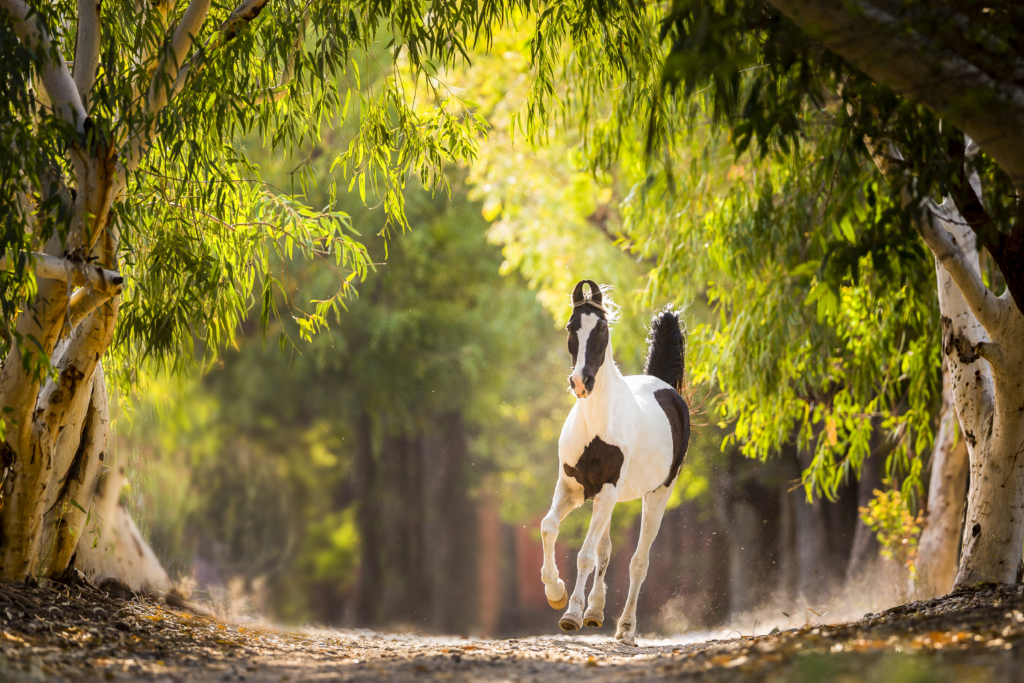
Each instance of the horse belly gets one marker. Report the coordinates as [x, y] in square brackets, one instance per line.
[650, 460]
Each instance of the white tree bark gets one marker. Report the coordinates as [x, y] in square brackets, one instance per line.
[937, 563]
[60, 87]
[57, 429]
[83, 454]
[76, 272]
[87, 49]
[983, 346]
[986, 366]
[111, 546]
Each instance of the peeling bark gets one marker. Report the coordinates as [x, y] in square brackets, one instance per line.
[66, 517]
[986, 365]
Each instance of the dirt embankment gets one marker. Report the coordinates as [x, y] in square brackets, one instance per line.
[74, 632]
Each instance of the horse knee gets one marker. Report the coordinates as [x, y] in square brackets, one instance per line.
[549, 526]
[638, 566]
[585, 561]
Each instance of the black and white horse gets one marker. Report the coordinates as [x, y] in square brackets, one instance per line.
[625, 438]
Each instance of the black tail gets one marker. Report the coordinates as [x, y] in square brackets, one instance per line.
[666, 350]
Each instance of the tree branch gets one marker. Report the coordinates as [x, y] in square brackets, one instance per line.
[60, 86]
[990, 111]
[1006, 249]
[87, 49]
[78, 273]
[933, 222]
[280, 91]
[243, 14]
[172, 74]
[85, 301]
[968, 199]
[177, 47]
[160, 10]
[246, 11]
[81, 356]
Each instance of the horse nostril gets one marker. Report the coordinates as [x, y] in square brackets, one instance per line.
[588, 381]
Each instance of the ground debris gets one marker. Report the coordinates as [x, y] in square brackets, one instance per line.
[72, 631]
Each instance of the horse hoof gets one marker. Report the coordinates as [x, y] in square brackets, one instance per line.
[593, 620]
[570, 622]
[561, 602]
[626, 639]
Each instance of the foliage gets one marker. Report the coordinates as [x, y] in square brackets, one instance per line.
[898, 530]
[797, 341]
[758, 249]
[203, 236]
[265, 445]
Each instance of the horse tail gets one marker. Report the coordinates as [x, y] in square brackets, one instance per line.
[666, 349]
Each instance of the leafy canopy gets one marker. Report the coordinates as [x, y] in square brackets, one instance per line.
[735, 148]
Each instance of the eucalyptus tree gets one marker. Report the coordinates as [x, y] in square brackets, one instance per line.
[136, 229]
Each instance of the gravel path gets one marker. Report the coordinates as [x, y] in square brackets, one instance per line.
[73, 632]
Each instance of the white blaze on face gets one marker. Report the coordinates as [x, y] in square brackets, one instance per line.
[588, 321]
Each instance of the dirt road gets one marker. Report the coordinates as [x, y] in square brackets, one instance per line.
[57, 632]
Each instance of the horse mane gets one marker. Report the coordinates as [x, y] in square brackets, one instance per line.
[666, 350]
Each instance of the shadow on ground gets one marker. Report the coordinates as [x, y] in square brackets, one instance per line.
[73, 632]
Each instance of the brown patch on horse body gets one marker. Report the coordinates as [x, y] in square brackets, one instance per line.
[600, 464]
[678, 415]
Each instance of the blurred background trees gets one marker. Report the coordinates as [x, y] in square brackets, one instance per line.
[391, 473]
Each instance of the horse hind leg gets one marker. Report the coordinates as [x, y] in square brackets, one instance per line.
[654, 510]
[586, 561]
[565, 501]
[595, 601]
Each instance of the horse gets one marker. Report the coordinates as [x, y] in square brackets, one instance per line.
[625, 438]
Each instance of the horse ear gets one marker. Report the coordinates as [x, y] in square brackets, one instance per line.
[577, 294]
[595, 292]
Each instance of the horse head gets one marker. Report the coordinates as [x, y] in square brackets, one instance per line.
[588, 337]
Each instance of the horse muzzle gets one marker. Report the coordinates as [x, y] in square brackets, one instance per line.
[582, 385]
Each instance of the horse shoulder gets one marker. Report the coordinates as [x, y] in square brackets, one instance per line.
[573, 438]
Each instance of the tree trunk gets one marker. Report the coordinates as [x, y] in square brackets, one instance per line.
[449, 527]
[744, 555]
[371, 587]
[58, 427]
[938, 548]
[405, 599]
[788, 571]
[986, 367]
[812, 546]
[864, 553]
[983, 345]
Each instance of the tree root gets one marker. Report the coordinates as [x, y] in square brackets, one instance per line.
[12, 596]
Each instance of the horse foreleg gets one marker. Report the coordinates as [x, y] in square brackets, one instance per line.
[595, 601]
[604, 503]
[565, 501]
[654, 510]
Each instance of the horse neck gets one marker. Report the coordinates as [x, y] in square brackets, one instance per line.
[607, 384]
